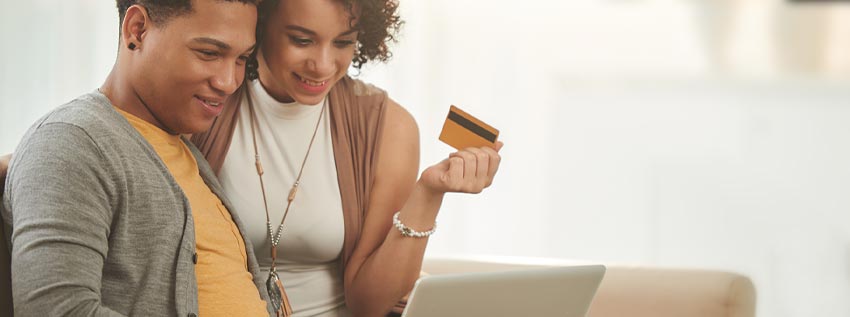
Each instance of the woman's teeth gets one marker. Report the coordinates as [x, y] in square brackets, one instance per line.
[313, 83]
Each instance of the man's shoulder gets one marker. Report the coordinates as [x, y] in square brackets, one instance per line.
[89, 111]
[91, 114]
[83, 125]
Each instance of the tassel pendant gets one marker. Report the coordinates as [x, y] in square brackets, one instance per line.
[277, 296]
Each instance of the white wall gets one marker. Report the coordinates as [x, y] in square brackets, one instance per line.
[708, 134]
[696, 133]
[53, 51]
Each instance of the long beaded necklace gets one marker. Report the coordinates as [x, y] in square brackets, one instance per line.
[277, 295]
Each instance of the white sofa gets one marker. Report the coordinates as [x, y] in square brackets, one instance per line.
[637, 291]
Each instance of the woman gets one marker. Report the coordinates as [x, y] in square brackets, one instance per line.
[332, 161]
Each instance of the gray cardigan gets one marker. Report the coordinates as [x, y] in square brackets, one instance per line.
[98, 225]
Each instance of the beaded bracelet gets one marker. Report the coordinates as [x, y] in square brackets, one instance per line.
[409, 232]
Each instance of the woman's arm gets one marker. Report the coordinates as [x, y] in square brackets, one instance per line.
[385, 264]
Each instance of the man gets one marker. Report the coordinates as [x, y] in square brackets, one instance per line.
[109, 211]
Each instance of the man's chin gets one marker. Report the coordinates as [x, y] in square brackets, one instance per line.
[194, 127]
[199, 129]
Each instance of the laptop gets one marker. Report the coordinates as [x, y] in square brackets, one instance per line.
[557, 292]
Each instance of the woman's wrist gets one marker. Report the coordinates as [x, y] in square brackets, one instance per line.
[420, 210]
[428, 192]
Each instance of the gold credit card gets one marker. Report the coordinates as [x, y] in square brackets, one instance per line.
[462, 131]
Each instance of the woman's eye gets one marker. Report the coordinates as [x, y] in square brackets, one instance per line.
[300, 41]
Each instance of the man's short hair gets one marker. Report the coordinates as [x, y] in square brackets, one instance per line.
[162, 10]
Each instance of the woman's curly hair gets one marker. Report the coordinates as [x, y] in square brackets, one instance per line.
[377, 26]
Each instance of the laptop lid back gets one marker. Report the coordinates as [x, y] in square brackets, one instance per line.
[560, 291]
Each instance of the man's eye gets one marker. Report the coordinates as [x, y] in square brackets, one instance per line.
[208, 53]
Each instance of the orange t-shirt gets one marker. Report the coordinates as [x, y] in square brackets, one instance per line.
[225, 287]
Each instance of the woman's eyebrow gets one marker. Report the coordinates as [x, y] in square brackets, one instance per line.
[313, 33]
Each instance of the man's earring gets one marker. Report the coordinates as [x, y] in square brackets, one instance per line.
[132, 46]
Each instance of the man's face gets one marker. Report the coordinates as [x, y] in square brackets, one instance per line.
[190, 64]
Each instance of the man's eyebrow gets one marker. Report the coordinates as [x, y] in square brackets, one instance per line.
[251, 49]
[206, 40]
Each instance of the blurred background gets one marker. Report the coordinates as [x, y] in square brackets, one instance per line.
[678, 133]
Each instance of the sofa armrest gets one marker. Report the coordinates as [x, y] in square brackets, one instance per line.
[636, 291]
[5, 271]
[647, 291]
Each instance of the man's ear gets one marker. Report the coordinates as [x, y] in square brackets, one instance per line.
[135, 26]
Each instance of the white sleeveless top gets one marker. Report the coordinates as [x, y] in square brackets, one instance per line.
[311, 243]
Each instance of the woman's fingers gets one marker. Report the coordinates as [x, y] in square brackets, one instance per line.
[493, 165]
[476, 169]
[469, 163]
[455, 172]
[482, 163]
[499, 145]
[470, 170]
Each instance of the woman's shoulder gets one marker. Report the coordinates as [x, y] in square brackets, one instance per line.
[358, 99]
[370, 101]
[375, 98]
[359, 88]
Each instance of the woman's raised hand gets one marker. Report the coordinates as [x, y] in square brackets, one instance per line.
[468, 171]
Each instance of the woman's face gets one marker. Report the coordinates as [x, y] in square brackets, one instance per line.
[307, 47]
